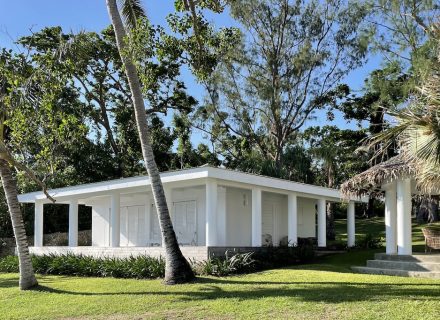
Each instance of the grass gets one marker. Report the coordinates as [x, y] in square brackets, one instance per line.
[324, 290]
[317, 291]
[376, 226]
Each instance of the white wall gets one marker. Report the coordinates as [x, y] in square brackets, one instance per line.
[238, 217]
[100, 221]
[140, 204]
[306, 217]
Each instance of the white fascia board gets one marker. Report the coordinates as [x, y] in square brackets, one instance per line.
[114, 185]
[274, 183]
[187, 175]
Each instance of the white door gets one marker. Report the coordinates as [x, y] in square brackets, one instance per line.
[185, 222]
[155, 235]
[268, 214]
[271, 210]
[133, 226]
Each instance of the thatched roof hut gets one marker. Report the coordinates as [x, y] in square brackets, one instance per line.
[369, 182]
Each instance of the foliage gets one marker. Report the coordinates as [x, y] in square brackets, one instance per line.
[417, 129]
[141, 267]
[320, 290]
[369, 241]
[266, 258]
[334, 153]
[145, 267]
[92, 64]
[9, 264]
[275, 257]
[232, 264]
[274, 79]
[402, 28]
[38, 117]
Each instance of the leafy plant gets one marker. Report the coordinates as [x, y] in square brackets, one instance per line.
[9, 264]
[369, 242]
[231, 264]
[142, 267]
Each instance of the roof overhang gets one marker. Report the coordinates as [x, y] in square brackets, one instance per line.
[223, 175]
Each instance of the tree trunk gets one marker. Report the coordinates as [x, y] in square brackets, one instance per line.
[177, 269]
[330, 222]
[27, 276]
[427, 210]
[370, 208]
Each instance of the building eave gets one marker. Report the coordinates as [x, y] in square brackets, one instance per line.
[186, 175]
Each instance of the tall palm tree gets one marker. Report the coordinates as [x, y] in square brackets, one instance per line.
[27, 277]
[177, 269]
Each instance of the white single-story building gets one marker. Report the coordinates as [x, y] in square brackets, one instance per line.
[210, 208]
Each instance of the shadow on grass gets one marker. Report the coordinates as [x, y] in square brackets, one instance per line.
[9, 283]
[329, 292]
[12, 281]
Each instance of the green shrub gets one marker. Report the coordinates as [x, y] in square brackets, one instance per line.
[231, 264]
[369, 242]
[145, 267]
[141, 267]
[9, 264]
[266, 258]
[275, 257]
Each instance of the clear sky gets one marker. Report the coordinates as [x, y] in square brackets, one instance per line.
[20, 17]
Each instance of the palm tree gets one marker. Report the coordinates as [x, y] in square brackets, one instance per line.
[27, 277]
[417, 130]
[18, 85]
[177, 269]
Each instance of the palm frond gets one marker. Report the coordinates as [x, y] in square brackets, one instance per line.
[132, 10]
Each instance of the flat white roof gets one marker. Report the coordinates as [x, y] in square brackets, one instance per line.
[226, 175]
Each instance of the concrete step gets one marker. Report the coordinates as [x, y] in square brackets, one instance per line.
[403, 265]
[400, 273]
[421, 258]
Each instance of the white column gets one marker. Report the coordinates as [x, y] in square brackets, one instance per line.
[351, 225]
[147, 221]
[322, 228]
[404, 237]
[391, 219]
[211, 212]
[168, 192]
[115, 225]
[256, 217]
[221, 216]
[292, 219]
[73, 223]
[38, 224]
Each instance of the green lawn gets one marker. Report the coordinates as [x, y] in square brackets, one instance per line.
[376, 226]
[318, 291]
[324, 290]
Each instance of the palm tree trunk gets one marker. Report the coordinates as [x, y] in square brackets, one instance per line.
[177, 269]
[330, 222]
[27, 276]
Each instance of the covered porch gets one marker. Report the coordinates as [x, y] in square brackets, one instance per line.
[210, 208]
[395, 182]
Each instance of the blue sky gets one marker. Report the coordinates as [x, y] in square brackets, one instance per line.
[20, 17]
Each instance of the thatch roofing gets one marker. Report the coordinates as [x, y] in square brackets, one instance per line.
[369, 182]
